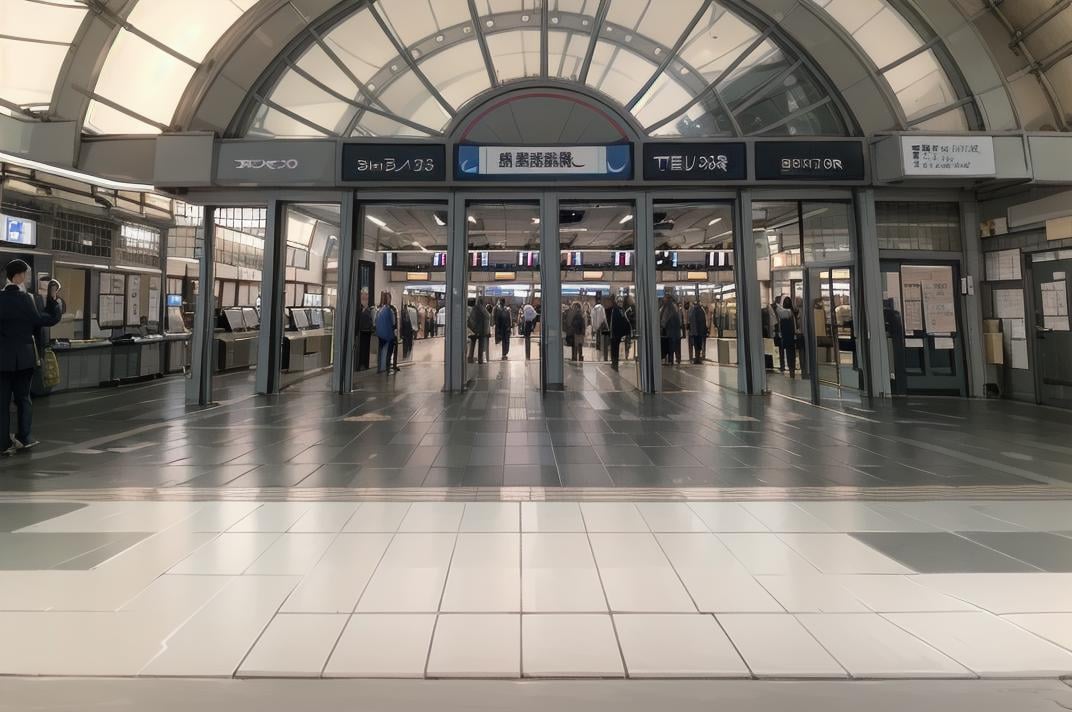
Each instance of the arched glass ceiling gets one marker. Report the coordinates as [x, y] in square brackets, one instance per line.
[34, 40]
[706, 63]
[404, 67]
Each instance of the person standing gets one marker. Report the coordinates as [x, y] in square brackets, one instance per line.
[478, 321]
[19, 319]
[697, 324]
[575, 325]
[366, 326]
[787, 327]
[503, 327]
[670, 323]
[407, 332]
[630, 316]
[619, 329]
[599, 329]
[386, 328]
[528, 325]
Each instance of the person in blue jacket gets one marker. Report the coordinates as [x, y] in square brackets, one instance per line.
[20, 320]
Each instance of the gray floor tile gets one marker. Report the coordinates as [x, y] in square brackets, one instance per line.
[16, 515]
[1048, 552]
[942, 553]
[47, 550]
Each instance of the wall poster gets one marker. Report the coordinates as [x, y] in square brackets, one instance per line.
[1055, 305]
[133, 300]
[111, 301]
[935, 284]
[154, 299]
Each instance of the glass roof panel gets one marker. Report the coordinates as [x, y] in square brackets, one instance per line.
[458, 72]
[880, 30]
[317, 63]
[34, 40]
[953, 120]
[99, 115]
[361, 45]
[189, 27]
[570, 24]
[415, 20]
[312, 103]
[666, 91]
[269, 122]
[515, 54]
[618, 72]
[143, 78]
[717, 40]
[702, 119]
[921, 85]
[407, 97]
[822, 120]
[370, 124]
[664, 22]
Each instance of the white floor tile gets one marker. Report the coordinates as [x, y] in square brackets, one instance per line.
[177, 597]
[1044, 516]
[272, 517]
[785, 517]
[661, 645]
[558, 574]
[898, 594]
[947, 516]
[375, 517]
[842, 554]
[387, 645]
[612, 517]
[294, 646]
[80, 643]
[120, 517]
[292, 555]
[868, 645]
[777, 645]
[766, 554]
[325, 518]
[1006, 593]
[433, 517]
[637, 576]
[670, 517]
[411, 575]
[861, 517]
[476, 646]
[485, 575]
[219, 516]
[1054, 627]
[335, 584]
[551, 517]
[214, 642]
[491, 517]
[714, 578]
[987, 645]
[229, 554]
[727, 517]
[811, 593]
[570, 646]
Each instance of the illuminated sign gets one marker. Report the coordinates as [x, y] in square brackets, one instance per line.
[614, 162]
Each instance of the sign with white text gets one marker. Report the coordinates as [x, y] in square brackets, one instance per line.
[614, 162]
[695, 161]
[400, 162]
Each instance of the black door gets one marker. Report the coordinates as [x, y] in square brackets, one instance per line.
[1053, 339]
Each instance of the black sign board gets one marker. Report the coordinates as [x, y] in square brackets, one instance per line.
[695, 161]
[810, 160]
[398, 162]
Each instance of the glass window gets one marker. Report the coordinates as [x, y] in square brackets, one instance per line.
[270, 122]
[312, 103]
[317, 63]
[826, 231]
[361, 45]
[662, 22]
[918, 226]
[921, 85]
[515, 54]
[459, 72]
[190, 27]
[880, 30]
[618, 72]
[416, 20]
[408, 97]
[716, 42]
[35, 42]
[570, 27]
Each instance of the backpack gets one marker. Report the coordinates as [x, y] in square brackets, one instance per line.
[385, 327]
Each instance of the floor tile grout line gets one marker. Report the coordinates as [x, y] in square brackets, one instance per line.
[811, 634]
[379, 562]
[606, 597]
[442, 595]
[885, 617]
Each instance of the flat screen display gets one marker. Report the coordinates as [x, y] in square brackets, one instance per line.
[300, 318]
[174, 300]
[439, 259]
[249, 315]
[18, 231]
[574, 259]
[235, 320]
[623, 259]
[317, 318]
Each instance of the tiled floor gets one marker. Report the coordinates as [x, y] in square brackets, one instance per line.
[402, 432]
[536, 590]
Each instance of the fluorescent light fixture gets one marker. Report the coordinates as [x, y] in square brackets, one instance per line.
[438, 220]
[75, 175]
[535, 221]
[716, 221]
[472, 219]
[375, 220]
[419, 246]
[626, 219]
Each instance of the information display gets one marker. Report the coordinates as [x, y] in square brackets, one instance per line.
[399, 162]
[18, 231]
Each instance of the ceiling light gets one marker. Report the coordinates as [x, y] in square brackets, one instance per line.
[376, 221]
[535, 221]
[472, 219]
[438, 220]
[626, 219]
[714, 222]
[75, 175]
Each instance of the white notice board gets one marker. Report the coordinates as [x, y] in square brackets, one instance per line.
[133, 300]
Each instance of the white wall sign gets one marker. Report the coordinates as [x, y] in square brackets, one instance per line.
[948, 156]
[614, 161]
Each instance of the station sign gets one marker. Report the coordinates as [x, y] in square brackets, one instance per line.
[822, 161]
[276, 162]
[672, 161]
[495, 163]
[395, 162]
[948, 156]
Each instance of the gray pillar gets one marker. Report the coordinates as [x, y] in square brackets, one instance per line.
[869, 290]
[751, 369]
[647, 307]
[161, 311]
[342, 375]
[973, 307]
[457, 289]
[273, 281]
[199, 385]
[551, 294]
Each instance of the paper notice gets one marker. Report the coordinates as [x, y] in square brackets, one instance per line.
[913, 316]
[1009, 303]
[943, 344]
[1018, 355]
[913, 343]
[1057, 323]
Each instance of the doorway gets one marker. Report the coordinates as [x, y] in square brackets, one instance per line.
[1053, 337]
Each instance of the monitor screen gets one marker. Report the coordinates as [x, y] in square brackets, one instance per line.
[18, 231]
[300, 318]
[439, 259]
[175, 324]
[249, 315]
[235, 320]
[174, 300]
[389, 259]
[317, 318]
[623, 259]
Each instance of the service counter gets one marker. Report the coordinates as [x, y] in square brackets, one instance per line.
[307, 350]
[236, 351]
[90, 364]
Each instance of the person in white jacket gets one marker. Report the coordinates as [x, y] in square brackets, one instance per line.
[599, 328]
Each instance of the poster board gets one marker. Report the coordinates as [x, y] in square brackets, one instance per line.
[154, 300]
[933, 288]
[133, 310]
[111, 301]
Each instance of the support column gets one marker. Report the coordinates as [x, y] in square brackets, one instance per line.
[551, 295]
[647, 307]
[457, 289]
[273, 283]
[199, 385]
[973, 307]
[342, 375]
[869, 291]
[751, 365]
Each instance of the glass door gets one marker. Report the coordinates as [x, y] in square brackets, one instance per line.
[1053, 337]
[833, 327]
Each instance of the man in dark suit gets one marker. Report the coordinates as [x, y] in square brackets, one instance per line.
[19, 320]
